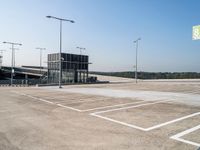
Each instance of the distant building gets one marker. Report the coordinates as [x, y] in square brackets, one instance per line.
[1, 60]
[74, 68]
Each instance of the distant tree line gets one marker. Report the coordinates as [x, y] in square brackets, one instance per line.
[152, 75]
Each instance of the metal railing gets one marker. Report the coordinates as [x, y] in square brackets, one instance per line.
[25, 70]
[23, 82]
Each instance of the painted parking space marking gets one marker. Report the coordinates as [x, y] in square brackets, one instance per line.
[111, 106]
[68, 107]
[178, 136]
[46, 101]
[75, 109]
[98, 114]
[135, 106]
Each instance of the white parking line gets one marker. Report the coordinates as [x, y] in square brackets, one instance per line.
[86, 100]
[68, 107]
[179, 135]
[111, 106]
[46, 101]
[96, 114]
[173, 121]
[40, 99]
[119, 122]
[135, 106]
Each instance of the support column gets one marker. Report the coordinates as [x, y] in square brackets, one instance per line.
[26, 78]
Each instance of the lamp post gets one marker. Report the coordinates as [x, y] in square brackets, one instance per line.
[81, 66]
[136, 41]
[12, 61]
[60, 61]
[14, 55]
[41, 49]
[81, 48]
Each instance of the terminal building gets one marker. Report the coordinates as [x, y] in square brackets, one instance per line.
[74, 68]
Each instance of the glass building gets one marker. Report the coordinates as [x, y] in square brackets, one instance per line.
[74, 68]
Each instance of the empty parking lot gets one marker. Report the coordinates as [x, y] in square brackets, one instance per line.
[147, 115]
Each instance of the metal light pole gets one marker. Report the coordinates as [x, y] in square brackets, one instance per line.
[136, 41]
[14, 55]
[41, 49]
[81, 66]
[60, 61]
[12, 61]
[81, 48]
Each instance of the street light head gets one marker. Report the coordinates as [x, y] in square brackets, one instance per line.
[72, 21]
[48, 16]
[81, 48]
[137, 40]
[12, 43]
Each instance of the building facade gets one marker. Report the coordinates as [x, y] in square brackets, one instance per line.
[74, 68]
[1, 61]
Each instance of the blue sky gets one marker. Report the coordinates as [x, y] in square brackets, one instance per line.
[107, 29]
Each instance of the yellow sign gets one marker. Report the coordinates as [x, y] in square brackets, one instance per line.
[196, 33]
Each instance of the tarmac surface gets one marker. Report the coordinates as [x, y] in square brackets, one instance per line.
[151, 115]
